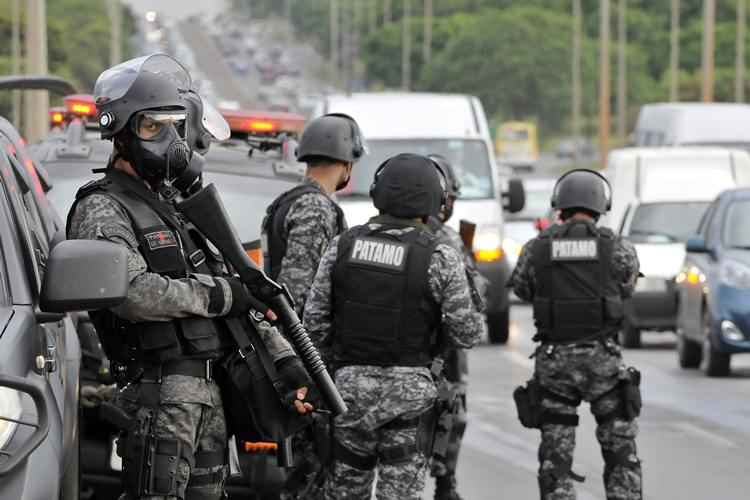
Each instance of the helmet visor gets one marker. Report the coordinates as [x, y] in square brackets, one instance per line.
[152, 125]
[214, 123]
[115, 82]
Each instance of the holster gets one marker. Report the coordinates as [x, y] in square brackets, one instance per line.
[630, 387]
[445, 414]
[149, 463]
[528, 400]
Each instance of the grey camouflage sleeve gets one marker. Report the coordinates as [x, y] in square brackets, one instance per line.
[522, 280]
[319, 308]
[310, 224]
[626, 266]
[151, 297]
[462, 323]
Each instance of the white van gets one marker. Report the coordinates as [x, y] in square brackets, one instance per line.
[451, 125]
[693, 124]
[659, 196]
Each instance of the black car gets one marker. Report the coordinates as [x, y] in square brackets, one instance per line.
[39, 348]
[248, 183]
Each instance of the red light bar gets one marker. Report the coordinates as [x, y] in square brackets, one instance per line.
[263, 121]
[80, 104]
[57, 115]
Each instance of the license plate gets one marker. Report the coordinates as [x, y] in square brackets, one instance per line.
[651, 285]
[115, 462]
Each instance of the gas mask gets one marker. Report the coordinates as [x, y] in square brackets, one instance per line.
[159, 149]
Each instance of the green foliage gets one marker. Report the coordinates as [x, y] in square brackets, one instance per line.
[516, 54]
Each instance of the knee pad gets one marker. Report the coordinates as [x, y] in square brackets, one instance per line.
[624, 456]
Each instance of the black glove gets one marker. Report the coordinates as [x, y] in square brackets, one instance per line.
[243, 300]
[293, 372]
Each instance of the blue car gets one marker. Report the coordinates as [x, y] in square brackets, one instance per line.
[713, 321]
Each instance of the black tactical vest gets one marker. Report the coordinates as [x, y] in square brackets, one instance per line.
[384, 313]
[273, 233]
[576, 296]
[172, 247]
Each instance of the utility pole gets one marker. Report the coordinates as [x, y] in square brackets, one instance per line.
[334, 31]
[115, 31]
[709, 24]
[622, 71]
[345, 18]
[406, 46]
[604, 85]
[373, 17]
[674, 54]
[387, 12]
[739, 72]
[427, 47]
[576, 70]
[356, 26]
[15, 56]
[37, 102]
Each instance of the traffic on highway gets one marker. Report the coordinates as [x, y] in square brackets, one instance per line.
[392, 249]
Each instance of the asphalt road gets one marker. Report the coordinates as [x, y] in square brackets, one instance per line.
[694, 431]
[213, 64]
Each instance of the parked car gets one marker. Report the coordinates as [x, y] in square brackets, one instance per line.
[713, 320]
[660, 196]
[455, 127]
[39, 349]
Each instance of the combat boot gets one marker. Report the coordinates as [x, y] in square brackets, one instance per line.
[445, 488]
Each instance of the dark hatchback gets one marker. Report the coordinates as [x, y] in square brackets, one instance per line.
[713, 320]
[39, 349]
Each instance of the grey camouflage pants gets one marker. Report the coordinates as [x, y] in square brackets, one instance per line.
[586, 371]
[190, 411]
[377, 396]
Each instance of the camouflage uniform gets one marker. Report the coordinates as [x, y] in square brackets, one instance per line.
[456, 368]
[588, 371]
[310, 225]
[378, 395]
[190, 408]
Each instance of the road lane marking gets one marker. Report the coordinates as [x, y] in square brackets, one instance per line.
[709, 436]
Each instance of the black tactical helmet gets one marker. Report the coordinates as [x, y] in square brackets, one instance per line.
[454, 185]
[582, 188]
[149, 82]
[407, 186]
[335, 135]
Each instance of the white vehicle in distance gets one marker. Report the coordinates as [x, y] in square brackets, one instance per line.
[693, 124]
[455, 127]
[660, 195]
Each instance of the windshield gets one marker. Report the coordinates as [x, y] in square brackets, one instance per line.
[666, 222]
[537, 203]
[736, 228]
[469, 158]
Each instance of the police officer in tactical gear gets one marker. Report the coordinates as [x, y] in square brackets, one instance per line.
[577, 275]
[383, 294]
[166, 340]
[301, 222]
[456, 360]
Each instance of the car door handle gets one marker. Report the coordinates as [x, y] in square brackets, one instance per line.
[47, 361]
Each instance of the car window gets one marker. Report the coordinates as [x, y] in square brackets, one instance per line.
[665, 222]
[33, 215]
[736, 230]
[34, 255]
[707, 222]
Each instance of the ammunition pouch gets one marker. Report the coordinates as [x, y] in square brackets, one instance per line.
[629, 402]
[531, 412]
[150, 463]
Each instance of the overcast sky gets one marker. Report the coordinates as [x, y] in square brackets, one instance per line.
[178, 9]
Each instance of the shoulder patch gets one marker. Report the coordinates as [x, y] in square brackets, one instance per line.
[563, 249]
[160, 239]
[379, 253]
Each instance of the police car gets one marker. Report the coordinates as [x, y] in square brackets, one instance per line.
[39, 350]
[250, 171]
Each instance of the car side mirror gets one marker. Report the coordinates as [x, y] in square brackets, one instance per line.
[83, 275]
[697, 244]
[514, 199]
